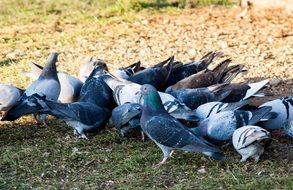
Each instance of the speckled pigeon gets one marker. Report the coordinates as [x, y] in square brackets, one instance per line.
[251, 141]
[167, 132]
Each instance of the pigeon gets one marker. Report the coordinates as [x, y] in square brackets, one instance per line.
[245, 91]
[193, 98]
[211, 108]
[207, 77]
[126, 91]
[167, 132]
[126, 118]
[9, 95]
[86, 69]
[156, 76]
[250, 141]
[188, 69]
[83, 117]
[283, 107]
[126, 72]
[220, 126]
[47, 84]
[70, 86]
[95, 90]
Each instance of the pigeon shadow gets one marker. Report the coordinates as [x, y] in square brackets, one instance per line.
[6, 62]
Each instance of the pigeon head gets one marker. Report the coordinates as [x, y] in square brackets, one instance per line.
[49, 69]
[151, 99]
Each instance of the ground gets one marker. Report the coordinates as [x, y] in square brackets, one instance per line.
[52, 158]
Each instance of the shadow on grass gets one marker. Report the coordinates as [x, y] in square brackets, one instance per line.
[7, 62]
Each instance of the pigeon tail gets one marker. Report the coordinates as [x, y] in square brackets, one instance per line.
[235, 105]
[219, 70]
[215, 155]
[255, 88]
[231, 72]
[258, 114]
[25, 106]
[207, 59]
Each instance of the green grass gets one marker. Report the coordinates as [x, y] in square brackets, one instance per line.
[32, 157]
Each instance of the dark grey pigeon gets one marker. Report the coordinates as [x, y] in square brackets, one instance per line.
[167, 132]
[95, 90]
[156, 76]
[191, 68]
[126, 118]
[83, 117]
[46, 85]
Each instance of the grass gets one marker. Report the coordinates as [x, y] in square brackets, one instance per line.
[32, 157]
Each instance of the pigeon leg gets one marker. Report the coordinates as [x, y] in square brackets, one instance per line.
[278, 134]
[167, 152]
[43, 119]
[83, 136]
[243, 159]
[35, 118]
[142, 135]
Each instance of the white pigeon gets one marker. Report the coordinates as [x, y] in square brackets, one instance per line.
[9, 95]
[250, 141]
[283, 107]
[125, 91]
[211, 108]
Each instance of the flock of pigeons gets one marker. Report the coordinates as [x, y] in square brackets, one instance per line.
[178, 106]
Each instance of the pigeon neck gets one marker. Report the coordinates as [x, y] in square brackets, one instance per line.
[153, 103]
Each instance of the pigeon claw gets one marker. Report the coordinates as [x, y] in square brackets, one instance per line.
[83, 136]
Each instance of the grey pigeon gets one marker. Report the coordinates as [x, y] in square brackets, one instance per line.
[9, 95]
[220, 127]
[250, 141]
[46, 85]
[70, 86]
[167, 132]
[126, 118]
